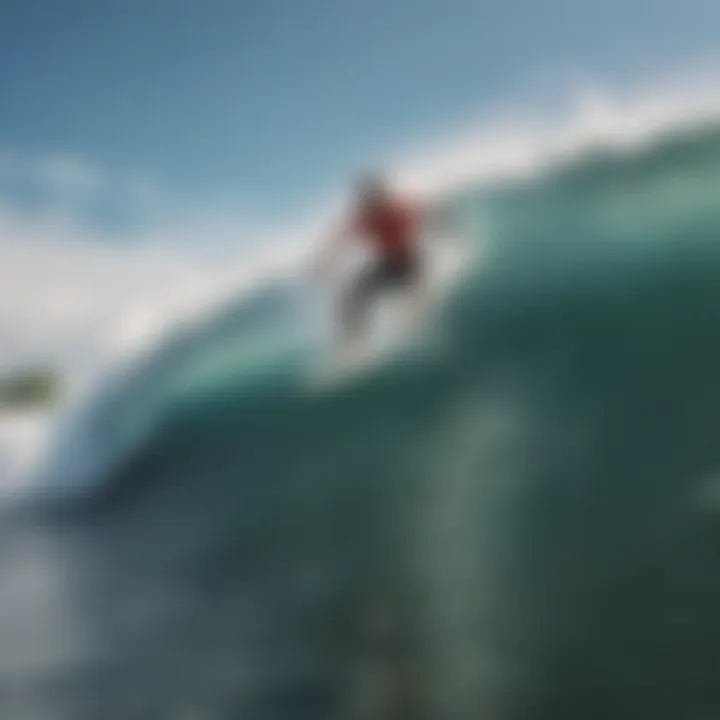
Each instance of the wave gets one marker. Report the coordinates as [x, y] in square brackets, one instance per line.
[534, 502]
[603, 205]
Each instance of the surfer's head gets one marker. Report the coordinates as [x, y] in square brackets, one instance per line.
[372, 191]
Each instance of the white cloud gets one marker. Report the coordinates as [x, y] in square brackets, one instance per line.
[75, 297]
[55, 174]
[71, 299]
[65, 174]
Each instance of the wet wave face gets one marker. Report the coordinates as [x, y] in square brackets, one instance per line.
[518, 520]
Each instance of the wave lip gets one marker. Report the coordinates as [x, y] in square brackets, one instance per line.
[523, 142]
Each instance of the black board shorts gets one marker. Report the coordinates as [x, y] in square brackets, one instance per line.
[387, 273]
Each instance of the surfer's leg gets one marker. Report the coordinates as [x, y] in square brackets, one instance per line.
[355, 307]
[412, 278]
[417, 303]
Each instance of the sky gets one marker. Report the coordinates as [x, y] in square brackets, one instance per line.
[140, 139]
[265, 105]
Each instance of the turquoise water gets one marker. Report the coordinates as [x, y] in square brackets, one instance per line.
[524, 523]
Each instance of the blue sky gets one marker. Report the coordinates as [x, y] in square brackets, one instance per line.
[270, 103]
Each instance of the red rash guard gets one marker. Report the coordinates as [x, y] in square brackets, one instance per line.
[392, 230]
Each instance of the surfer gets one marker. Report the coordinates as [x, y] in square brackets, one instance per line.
[391, 225]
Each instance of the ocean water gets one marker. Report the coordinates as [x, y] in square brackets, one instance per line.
[520, 521]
